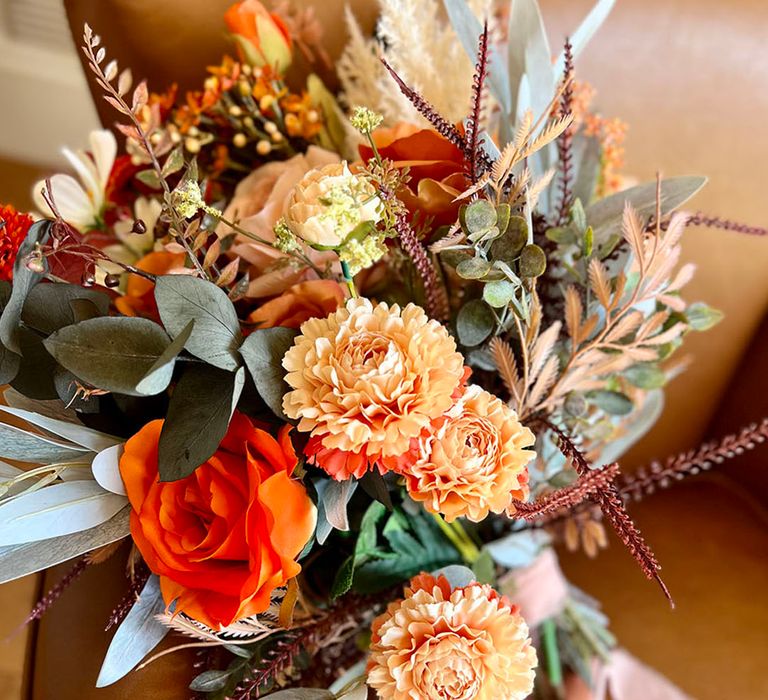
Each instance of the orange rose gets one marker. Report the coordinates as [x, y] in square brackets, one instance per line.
[299, 303]
[435, 165]
[225, 537]
[262, 37]
[139, 297]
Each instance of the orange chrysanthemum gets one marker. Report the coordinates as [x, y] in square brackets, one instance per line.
[371, 377]
[13, 230]
[442, 644]
[472, 461]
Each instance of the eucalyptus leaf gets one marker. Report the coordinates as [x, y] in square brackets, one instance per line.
[518, 548]
[23, 281]
[9, 361]
[114, 353]
[160, 374]
[613, 402]
[645, 376]
[138, 634]
[473, 268]
[24, 559]
[216, 334]
[301, 694]
[475, 322]
[605, 215]
[48, 307]
[198, 417]
[458, 576]
[335, 498]
[53, 511]
[35, 375]
[209, 681]
[499, 293]
[263, 352]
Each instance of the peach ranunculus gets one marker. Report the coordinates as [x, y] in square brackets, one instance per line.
[225, 537]
[441, 643]
[259, 202]
[299, 303]
[471, 461]
[139, 296]
[370, 377]
[435, 166]
[262, 37]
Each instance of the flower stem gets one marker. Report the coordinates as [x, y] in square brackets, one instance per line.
[348, 280]
[459, 539]
[551, 653]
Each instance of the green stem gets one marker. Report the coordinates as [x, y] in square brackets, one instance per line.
[459, 539]
[348, 280]
[551, 652]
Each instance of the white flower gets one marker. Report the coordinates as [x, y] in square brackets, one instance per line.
[81, 203]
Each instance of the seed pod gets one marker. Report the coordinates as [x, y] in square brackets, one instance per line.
[139, 227]
[112, 280]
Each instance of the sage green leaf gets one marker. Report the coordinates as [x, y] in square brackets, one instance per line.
[23, 446]
[480, 215]
[585, 31]
[342, 582]
[209, 681]
[48, 307]
[473, 268]
[137, 635]
[34, 377]
[198, 417]
[613, 402]
[605, 215]
[587, 157]
[533, 261]
[159, 375]
[301, 694]
[23, 281]
[499, 293]
[484, 568]
[114, 353]
[645, 376]
[216, 335]
[508, 247]
[634, 428]
[53, 511]
[263, 352]
[150, 178]
[24, 559]
[468, 29]
[475, 322]
[702, 317]
[9, 361]
[332, 500]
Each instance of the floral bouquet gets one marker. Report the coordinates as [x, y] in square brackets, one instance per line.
[333, 372]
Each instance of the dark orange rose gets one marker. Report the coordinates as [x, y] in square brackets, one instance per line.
[263, 38]
[299, 303]
[435, 165]
[225, 537]
[139, 297]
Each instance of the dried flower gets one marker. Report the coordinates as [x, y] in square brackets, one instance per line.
[371, 377]
[13, 230]
[473, 460]
[441, 644]
[262, 37]
[330, 204]
[366, 120]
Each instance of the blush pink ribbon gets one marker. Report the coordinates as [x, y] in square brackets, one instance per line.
[541, 590]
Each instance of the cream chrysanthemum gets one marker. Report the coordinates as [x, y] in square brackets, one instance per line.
[439, 644]
[371, 377]
[473, 460]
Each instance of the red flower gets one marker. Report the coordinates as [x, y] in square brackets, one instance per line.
[13, 230]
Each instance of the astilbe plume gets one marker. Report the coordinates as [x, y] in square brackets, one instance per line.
[700, 219]
[565, 142]
[473, 140]
[44, 604]
[137, 582]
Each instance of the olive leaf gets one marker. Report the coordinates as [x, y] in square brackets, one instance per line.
[216, 335]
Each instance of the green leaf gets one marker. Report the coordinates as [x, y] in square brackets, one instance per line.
[605, 215]
[216, 335]
[198, 417]
[612, 402]
[174, 162]
[645, 376]
[702, 317]
[484, 568]
[473, 268]
[344, 576]
[24, 559]
[589, 236]
[149, 178]
[475, 322]
[209, 681]
[160, 374]
[507, 247]
[35, 375]
[9, 361]
[300, 694]
[49, 307]
[263, 352]
[533, 261]
[114, 353]
[480, 215]
[23, 280]
[579, 217]
[499, 293]
[137, 635]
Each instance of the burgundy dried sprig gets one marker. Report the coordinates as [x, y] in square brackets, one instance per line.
[473, 140]
[137, 583]
[44, 604]
[700, 219]
[565, 142]
[659, 475]
[587, 486]
[613, 508]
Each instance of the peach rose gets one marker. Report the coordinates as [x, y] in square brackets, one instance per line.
[441, 644]
[471, 461]
[225, 537]
[371, 377]
[299, 303]
[435, 165]
[259, 202]
[263, 38]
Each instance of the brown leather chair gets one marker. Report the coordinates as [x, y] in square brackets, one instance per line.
[691, 78]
